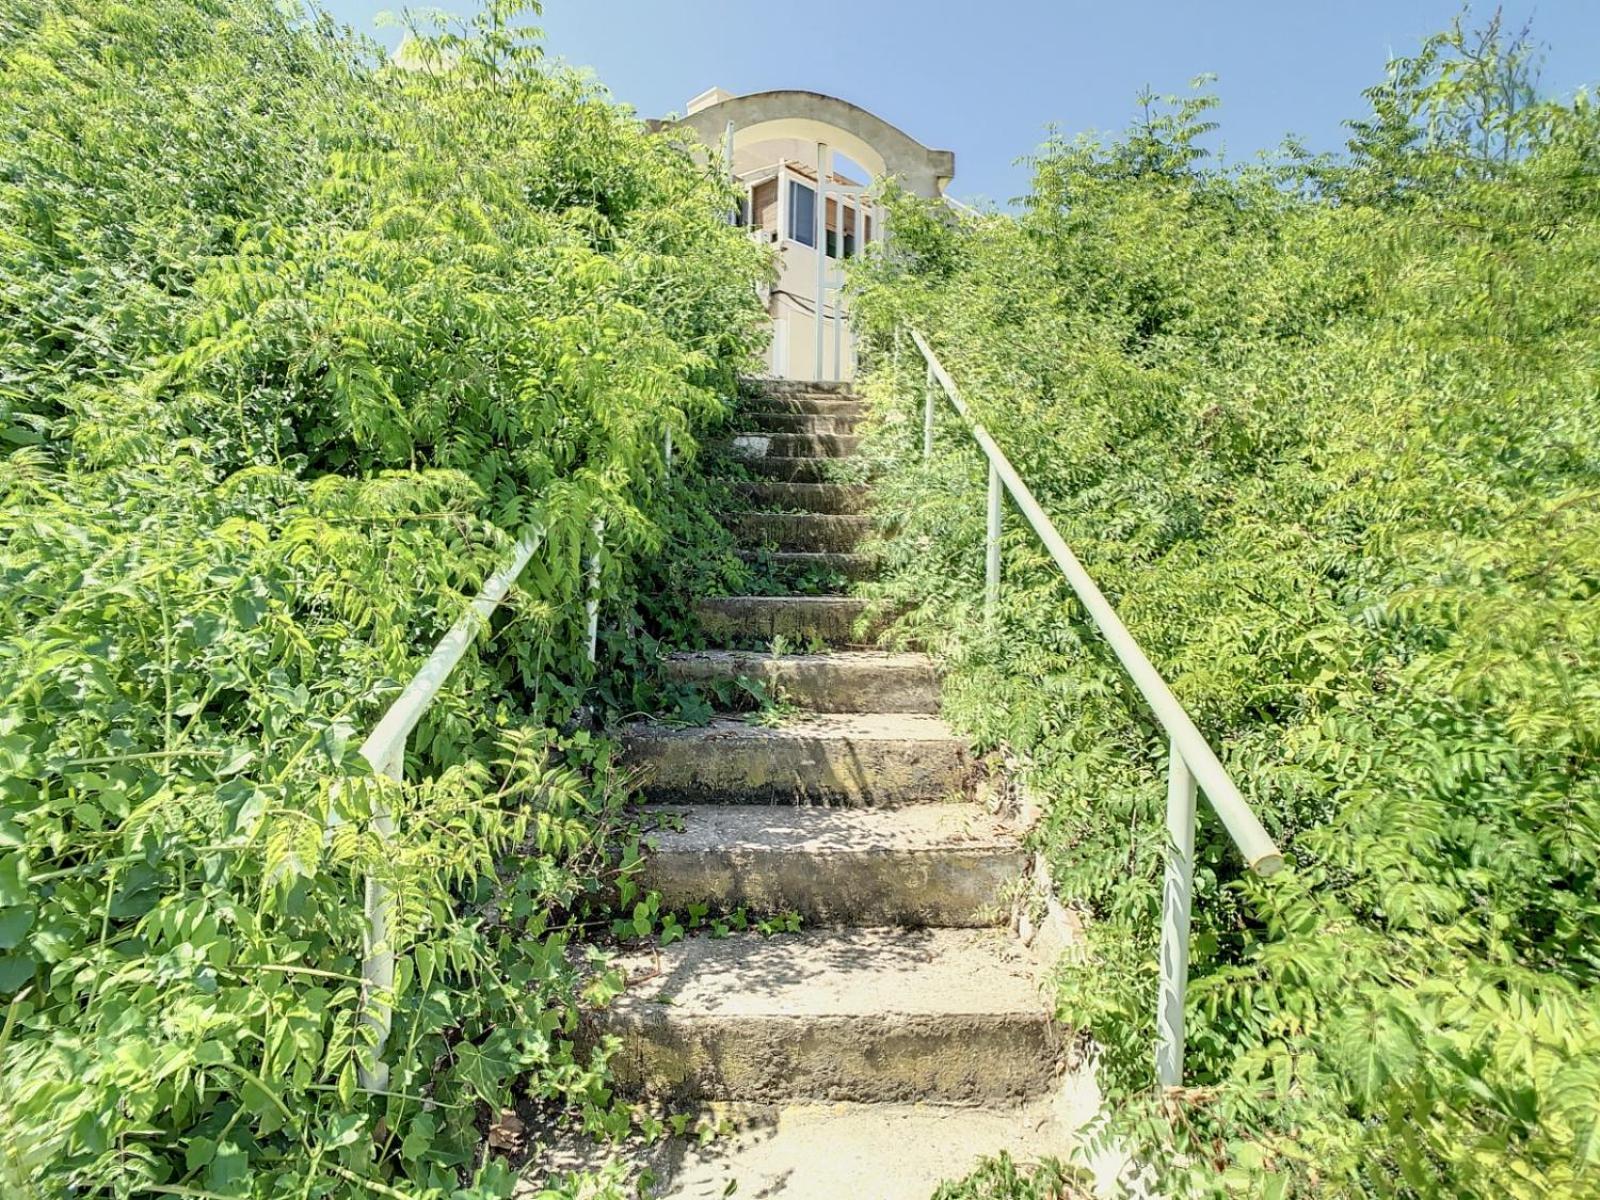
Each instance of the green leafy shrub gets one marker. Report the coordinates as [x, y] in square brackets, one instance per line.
[294, 343]
[1328, 434]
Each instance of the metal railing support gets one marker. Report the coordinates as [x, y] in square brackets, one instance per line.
[1194, 765]
[385, 752]
[666, 451]
[1259, 850]
[991, 565]
[927, 414]
[1177, 897]
[824, 164]
[592, 604]
[377, 946]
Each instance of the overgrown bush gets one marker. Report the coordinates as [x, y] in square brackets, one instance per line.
[293, 344]
[1328, 433]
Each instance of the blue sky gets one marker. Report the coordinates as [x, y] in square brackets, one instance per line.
[986, 79]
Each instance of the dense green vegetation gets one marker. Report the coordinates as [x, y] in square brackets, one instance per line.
[1328, 433]
[293, 345]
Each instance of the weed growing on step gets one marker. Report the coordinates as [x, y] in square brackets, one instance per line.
[777, 711]
[1001, 1178]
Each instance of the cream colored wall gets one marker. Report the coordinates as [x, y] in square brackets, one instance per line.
[756, 155]
[794, 326]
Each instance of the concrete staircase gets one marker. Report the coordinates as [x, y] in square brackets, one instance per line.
[905, 991]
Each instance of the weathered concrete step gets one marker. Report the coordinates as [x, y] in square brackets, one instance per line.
[839, 533]
[801, 387]
[795, 469]
[847, 681]
[795, 445]
[819, 405]
[786, 422]
[815, 1150]
[793, 568]
[806, 497]
[835, 620]
[864, 1015]
[926, 864]
[826, 758]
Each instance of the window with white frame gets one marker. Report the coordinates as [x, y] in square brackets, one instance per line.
[802, 213]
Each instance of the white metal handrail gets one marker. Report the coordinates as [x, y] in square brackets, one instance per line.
[1192, 762]
[385, 751]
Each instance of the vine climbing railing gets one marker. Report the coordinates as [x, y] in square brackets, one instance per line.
[385, 752]
[1192, 762]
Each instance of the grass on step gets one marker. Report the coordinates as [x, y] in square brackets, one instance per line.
[1002, 1178]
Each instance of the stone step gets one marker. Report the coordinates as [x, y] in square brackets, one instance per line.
[927, 864]
[793, 469]
[806, 497]
[856, 1015]
[792, 569]
[801, 387]
[838, 406]
[847, 681]
[815, 1150]
[840, 621]
[795, 445]
[824, 758]
[833, 532]
[786, 422]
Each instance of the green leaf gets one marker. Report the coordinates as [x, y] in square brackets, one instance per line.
[200, 1152]
[212, 1053]
[228, 1171]
[487, 1067]
[15, 971]
[14, 925]
[13, 881]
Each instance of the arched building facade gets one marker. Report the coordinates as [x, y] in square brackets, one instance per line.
[807, 163]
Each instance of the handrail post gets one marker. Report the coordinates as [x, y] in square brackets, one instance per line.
[666, 451]
[820, 232]
[1193, 763]
[1176, 900]
[385, 752]
[593, 602]
[377, 948]
[838, 303]
[927, 414]
[991, 572]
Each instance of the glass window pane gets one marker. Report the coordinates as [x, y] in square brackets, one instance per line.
[802, 213]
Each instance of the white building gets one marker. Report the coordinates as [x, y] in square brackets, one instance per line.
[779, 144]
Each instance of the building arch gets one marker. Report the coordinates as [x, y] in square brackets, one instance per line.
[813, 117]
